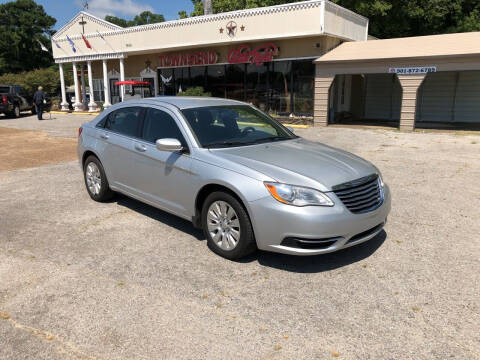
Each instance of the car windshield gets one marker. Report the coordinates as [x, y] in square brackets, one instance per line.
[234, 125]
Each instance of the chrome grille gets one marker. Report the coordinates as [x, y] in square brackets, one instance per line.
[362, 195]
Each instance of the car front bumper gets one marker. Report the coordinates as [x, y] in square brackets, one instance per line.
[314, 230]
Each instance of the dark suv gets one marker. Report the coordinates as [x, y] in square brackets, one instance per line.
[14, 99]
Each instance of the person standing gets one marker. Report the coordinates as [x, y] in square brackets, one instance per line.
[39, 99]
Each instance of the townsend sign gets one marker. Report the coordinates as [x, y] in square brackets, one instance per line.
[258, 55]
[189, 59]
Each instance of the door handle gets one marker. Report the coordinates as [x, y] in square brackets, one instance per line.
[104, 136]
[140, 147]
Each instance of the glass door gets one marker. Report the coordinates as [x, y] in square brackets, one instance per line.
[114, 91]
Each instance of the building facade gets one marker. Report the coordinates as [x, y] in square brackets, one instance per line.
[415, 82]
[310, 60]
[263, 56]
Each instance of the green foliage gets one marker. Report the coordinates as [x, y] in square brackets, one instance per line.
[49, 78]
[194, 91]
[116, 20]
[182, 14]
[22, 23]
[146, 17]
[388, 18]
[220, 6]
[391, 18]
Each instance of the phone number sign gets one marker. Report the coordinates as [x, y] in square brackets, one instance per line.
[413, 70]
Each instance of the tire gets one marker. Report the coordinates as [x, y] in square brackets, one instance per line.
[96, 181]
[228, 234]
[16, 111]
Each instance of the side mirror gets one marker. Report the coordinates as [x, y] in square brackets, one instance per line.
[167, 144]
[290, 129]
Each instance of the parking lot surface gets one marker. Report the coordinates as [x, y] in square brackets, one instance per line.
[122, 280]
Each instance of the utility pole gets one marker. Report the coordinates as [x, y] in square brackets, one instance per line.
[207, 7]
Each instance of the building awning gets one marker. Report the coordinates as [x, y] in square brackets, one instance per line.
[448, 45]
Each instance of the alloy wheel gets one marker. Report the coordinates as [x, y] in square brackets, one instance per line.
[223, 225]
[94, 178]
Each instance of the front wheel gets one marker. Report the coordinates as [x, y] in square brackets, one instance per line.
[96, 180]
[227, 226]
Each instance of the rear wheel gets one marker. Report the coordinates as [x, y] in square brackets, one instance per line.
[16, 111]
[96, 180]
[227, 226]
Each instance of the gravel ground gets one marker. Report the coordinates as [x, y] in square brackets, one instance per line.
[122, 280]
[58, 125]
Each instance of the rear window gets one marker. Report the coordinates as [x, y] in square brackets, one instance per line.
[4, 90]
[125, 121]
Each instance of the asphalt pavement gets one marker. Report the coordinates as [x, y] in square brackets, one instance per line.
[123, 280]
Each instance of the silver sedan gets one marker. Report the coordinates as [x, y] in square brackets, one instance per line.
[246, 180]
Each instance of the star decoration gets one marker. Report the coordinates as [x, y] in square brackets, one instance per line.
[242, 28]
[221, 30]
[231, 27]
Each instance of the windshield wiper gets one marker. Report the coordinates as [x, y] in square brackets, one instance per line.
[270, 139]
[225, 144]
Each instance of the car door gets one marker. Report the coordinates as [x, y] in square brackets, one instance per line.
[116, 139]
[162, 177]
[22, 94]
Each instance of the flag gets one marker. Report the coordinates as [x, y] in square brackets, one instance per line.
[101, 37]
[86, 42]
[72, 44]
[43, 46]
[58, 46]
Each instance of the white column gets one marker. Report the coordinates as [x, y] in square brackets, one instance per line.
[92, 106]
[83, 88]
[78, 104]
[64, 103]
[122, 78]
[106, 86]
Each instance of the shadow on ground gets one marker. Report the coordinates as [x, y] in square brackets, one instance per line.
[159, 215]
[291, 263]
[319, 263]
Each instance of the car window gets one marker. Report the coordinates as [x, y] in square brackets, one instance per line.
[233, 125]
[160, 125]
[125, 121]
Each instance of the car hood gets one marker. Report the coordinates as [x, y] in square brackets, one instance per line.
[300, 162]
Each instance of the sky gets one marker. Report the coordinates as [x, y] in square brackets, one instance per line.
[64, 10]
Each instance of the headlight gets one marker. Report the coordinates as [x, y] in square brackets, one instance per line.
[297, 195]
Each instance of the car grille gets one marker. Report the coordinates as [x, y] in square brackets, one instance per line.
[362, 195]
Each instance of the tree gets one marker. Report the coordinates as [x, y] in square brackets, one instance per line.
[116, 20]
[220, 6]
[22, 24]
[48, 78]
[391, 18]
[182, 14]
[146, 17]
[388, 18]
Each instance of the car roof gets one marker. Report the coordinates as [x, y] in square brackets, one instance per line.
[188, 102]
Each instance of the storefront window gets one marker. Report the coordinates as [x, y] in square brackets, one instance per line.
[167, 82]
[280, 82]
[235, 83]
[216, 80]
[303, 79]
[198, 76]
[280, 87]
[258, 85]
[182, 79]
